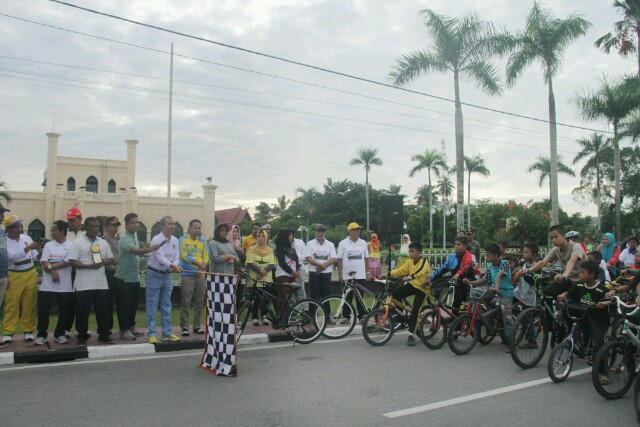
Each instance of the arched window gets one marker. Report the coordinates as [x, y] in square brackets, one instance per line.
[92, 184]
[71, 184]
[111, 186]
[36, 230]
[155, 230]
[179, 231]
[142, 233]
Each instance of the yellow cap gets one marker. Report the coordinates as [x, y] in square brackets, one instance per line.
[354, 226]
[11, 221]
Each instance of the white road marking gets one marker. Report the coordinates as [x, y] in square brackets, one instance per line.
[476, 396]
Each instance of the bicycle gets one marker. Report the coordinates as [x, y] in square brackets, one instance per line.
[465, 329]
[616, 359]
[433, 327]
[305, 319]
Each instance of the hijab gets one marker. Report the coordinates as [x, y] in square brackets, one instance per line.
[216, 233]
[375, 244]
[607, 251]
[235, 242]
[404, 247]
[262, 249]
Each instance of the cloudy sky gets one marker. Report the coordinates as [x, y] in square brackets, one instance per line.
[260, 136]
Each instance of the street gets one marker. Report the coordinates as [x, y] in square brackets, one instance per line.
[345, 382]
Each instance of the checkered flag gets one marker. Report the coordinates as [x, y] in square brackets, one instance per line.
[220, 337]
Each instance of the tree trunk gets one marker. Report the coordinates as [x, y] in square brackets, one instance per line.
[638, 46]
[616, 178]
[366, 192]
[459, 154]
[430, 211]
[469, 202]
[598, 201]
[553, 140]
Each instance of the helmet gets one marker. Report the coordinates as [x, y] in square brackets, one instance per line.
[74, 213]
[571, 234]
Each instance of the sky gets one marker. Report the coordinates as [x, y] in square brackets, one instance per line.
[259, 136]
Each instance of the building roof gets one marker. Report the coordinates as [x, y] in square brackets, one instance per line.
[232, 216]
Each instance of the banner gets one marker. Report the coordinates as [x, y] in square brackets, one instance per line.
[219, 356]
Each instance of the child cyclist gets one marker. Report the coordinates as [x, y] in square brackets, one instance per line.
[414, 272]
[498, 277]
[626, 277]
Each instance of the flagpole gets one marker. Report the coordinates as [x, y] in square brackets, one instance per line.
[170, 133]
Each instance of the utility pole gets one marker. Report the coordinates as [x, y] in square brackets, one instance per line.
[170, 133]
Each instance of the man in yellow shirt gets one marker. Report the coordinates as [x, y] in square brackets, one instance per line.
[414, 274]
[250, 240]
[194, 259]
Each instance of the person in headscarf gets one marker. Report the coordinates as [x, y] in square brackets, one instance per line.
[223, 254]
[375, 268]
[287, 267]
[610, 253]
[403, 255]
[260, 262]
[234, 238]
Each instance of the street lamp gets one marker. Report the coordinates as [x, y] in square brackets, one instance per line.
[302, 229]
[447, 208]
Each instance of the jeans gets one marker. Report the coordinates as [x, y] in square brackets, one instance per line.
[300, 293]
[99, 300]
[45, 301]
[158, 292]
[192, 291]
[127, 299]
[506, 305]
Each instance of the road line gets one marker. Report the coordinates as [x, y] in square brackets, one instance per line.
[476, 396]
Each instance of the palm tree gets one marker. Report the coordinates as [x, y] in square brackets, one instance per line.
[627, 32]
[3, 194]
[612, 103]
[367, 157]
[543, 40]
[473, 164]
[429, 160]
[463, 47]
[543, 166]
[445, 187]
[597, 151]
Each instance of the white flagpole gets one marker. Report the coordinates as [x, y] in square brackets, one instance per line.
[170, 134]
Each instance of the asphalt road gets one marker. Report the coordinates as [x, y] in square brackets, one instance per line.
[345, 382]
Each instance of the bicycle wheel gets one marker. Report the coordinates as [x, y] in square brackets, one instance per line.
[462, 335]
[432, 329]
[615, 363]
[484, 336]
[636, 397]
[341, 317]
[560, 362]
[242, 318]
[617, 328]
[377, 327]
[529, 340]
[306, 321]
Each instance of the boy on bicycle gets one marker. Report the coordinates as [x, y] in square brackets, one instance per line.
[414, 272]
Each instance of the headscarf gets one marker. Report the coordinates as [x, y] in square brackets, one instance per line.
[607, 251]
[235, 242]
[375, 244]
[264, 249]
[404, 247]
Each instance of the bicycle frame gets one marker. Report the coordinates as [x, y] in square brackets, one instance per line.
[258, 293]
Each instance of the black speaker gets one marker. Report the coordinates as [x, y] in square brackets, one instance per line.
[391, 214]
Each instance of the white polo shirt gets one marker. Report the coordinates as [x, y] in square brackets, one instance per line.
[166, 255]
[353, 255]
[88, 279]
[18, 259]
[321, 252]
[54, 252]
[72, 236]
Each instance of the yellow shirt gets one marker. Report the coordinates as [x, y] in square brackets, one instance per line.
[247, 242]
[192, 251]
[419, 271]
[373, 252]
[261, 262]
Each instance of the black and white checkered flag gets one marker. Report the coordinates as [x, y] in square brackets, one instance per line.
[220, 340]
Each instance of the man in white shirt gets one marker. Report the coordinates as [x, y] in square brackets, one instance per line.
[22, 290]
[628, 254]
[75, 231]
[301, 250]
[321, 255]
[158, 284]
[88, 255]
[353, 261]
[56, 283]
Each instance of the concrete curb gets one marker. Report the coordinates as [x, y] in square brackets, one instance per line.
[6, 358]
[96, 352]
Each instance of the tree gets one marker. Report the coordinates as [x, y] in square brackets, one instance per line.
[445, 187]
[473, 164]
[543, 166]
[429, 160]
[543, 40]
[627, 32]
[3, 194]
[597, 151]
[366, 157]
[263, 212]
[462, 46]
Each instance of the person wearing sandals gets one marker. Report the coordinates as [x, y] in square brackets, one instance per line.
[287, 267]
[260, 262]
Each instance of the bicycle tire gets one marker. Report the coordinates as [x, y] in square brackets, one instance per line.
[242, 318]
[560, 362]
[306, 321]
[619, 365]
[462, 335]
[636, 397]
[432, 329]
[484, 337]
[617, 328]
[530, 320]
[343, 316]
[377, 328]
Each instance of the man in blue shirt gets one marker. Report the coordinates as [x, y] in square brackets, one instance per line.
[4, 261]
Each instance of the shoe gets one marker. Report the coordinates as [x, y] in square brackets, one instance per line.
[529, 345]
[82, 341]
[106, 340]
[344, 321]
[7, 339]
[67, 334]
[265, 322]
[62, 339]
[28, 337]
[127, 335]
[604, 379]
[198, 331]
[411, 341]
[171, 338]
[41, 340]
[330, 321]
[153, 340]
[185, 332]
[255, 322]
[2, 344]
[136, 333]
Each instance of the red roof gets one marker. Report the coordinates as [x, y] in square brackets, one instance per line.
[232, 216]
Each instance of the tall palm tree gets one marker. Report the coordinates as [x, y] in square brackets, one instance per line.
[3, 194]
[473, 164]
[597, 150]
[462, 46]
[445, 188]
[431, 160]
[543, 40]
[543, 167]
[612, 102]
[627, 32]
[366, 157]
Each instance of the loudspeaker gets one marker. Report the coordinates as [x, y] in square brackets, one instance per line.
[391, 214]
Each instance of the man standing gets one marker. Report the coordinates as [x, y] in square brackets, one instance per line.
[22, 282]
[194, 259]
[128, 277]
[321, 255]
[301, 251]
[111, 226]
[74, 220]
[56, 284]
[4, 261]
[474, 245]
[89, 255]
[250, 240]
[162, 263]
[353, 261]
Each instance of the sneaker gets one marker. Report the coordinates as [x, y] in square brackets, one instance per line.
[127, 335]
[28, 337]
[411, 341]
[62, 339]
[67, 334]
[255, 322]
[7, 339]
[198, 331]
[106, 340]
[185, 332]
[41, 340]
[529, 345]
[344, 321]
[171, 338]
[153, 340]
[265, 322]
[136, 333]
[604, 379]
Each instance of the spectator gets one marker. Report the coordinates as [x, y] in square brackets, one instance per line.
[161, 264]
[22, 285]
[111, 226]
[56, 284]
[610, 253]
[403, 255]
[260, 263]
[250, 240]
[473, 245]
[194, 259]
[321, 255]
[375, 268]
[588, 244]
[287, 267]
[4, 261]
[574, 236]
[393, 261]
[353, 257]
[74, 220]
[234, 237]
[88, 255]
[223, 254]
[301, 250]
[627, 256]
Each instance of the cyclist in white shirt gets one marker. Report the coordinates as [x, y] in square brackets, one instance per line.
[353, 257]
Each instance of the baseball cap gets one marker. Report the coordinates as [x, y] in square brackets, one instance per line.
[11, 221]
[74, 213]
[112, 220]
[321, 227]
[353, 226]
[3, 209]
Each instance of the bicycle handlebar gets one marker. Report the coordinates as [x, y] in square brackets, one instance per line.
[620, 304]
[565, 309]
